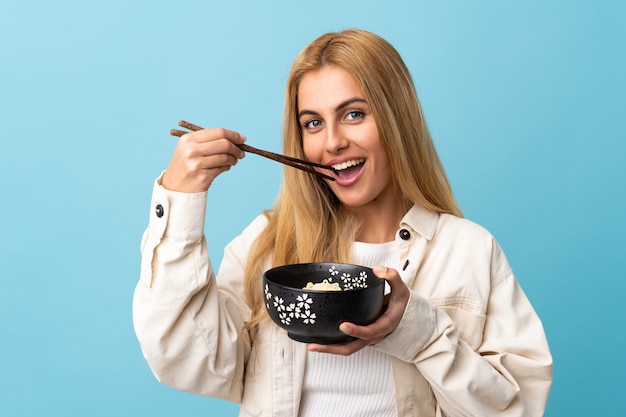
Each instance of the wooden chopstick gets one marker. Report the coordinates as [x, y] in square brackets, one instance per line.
[267, 154]
[287, 160]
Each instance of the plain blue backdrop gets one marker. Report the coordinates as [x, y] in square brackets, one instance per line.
[525, 101]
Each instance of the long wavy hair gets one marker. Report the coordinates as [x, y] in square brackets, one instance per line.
[308, 222]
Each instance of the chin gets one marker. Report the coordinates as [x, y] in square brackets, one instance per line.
[355, 203]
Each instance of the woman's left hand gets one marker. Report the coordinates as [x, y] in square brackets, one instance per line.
[384, 324]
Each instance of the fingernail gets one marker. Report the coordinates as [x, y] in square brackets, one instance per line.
[345, 328]
[379, 270]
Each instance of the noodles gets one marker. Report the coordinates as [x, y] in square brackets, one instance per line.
[323, 286]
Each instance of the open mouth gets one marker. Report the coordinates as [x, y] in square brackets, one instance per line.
[348, 169]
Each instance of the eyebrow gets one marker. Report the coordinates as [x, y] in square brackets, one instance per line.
[341, 106]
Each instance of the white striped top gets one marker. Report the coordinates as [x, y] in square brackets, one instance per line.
[359, 385]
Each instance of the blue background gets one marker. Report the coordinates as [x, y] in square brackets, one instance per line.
[525, 102]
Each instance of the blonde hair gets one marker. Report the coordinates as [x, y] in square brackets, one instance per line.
[308, 223]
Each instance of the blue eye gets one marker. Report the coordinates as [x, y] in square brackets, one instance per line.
[312, 124]
[354, 115]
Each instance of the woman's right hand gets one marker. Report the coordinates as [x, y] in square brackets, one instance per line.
[201, 156]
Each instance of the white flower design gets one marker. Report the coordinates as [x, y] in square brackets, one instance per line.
[278, 303]
[291, 309]
[304, 301]
[268, 294]
[309, 318]
[302, 308]
[284, 318]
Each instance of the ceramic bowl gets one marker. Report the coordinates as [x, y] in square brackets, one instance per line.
[314, 316]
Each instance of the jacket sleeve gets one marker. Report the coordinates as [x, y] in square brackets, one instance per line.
[188, 326]
[508, 374]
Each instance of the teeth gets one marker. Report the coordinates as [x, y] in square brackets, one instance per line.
[348, 164]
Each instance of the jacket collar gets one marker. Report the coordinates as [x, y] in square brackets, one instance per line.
[422, 221]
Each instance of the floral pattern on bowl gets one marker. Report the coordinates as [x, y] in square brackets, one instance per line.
[312, 315]
[301, 307]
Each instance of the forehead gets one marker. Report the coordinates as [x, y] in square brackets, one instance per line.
[327, 87]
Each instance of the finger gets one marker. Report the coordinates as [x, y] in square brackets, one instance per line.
[194, 151]
[220, 146]
[345, 349]
[398, 299]
[373, 332]
[397, 286]
[214, 161]
[215, 133]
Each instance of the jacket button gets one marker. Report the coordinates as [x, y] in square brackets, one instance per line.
[405, 234]
[159, 210]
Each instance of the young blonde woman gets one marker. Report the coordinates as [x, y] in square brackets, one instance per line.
[459, 337]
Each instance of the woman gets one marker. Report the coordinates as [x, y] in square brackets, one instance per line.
[458, 338]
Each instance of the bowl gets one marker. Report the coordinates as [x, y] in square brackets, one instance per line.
[314, 316]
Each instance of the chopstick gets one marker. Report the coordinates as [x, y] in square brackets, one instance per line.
[287, 160]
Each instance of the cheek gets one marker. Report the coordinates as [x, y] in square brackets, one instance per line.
[311, 150]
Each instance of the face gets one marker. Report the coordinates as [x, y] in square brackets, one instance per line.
[338, 129]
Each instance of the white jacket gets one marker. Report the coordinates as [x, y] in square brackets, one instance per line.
[469, 343]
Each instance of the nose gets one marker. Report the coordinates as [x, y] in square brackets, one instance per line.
[336, 140]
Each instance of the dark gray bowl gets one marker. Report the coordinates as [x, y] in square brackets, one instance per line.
[313, 316]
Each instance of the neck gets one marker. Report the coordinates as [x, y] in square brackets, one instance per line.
[380, 224]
